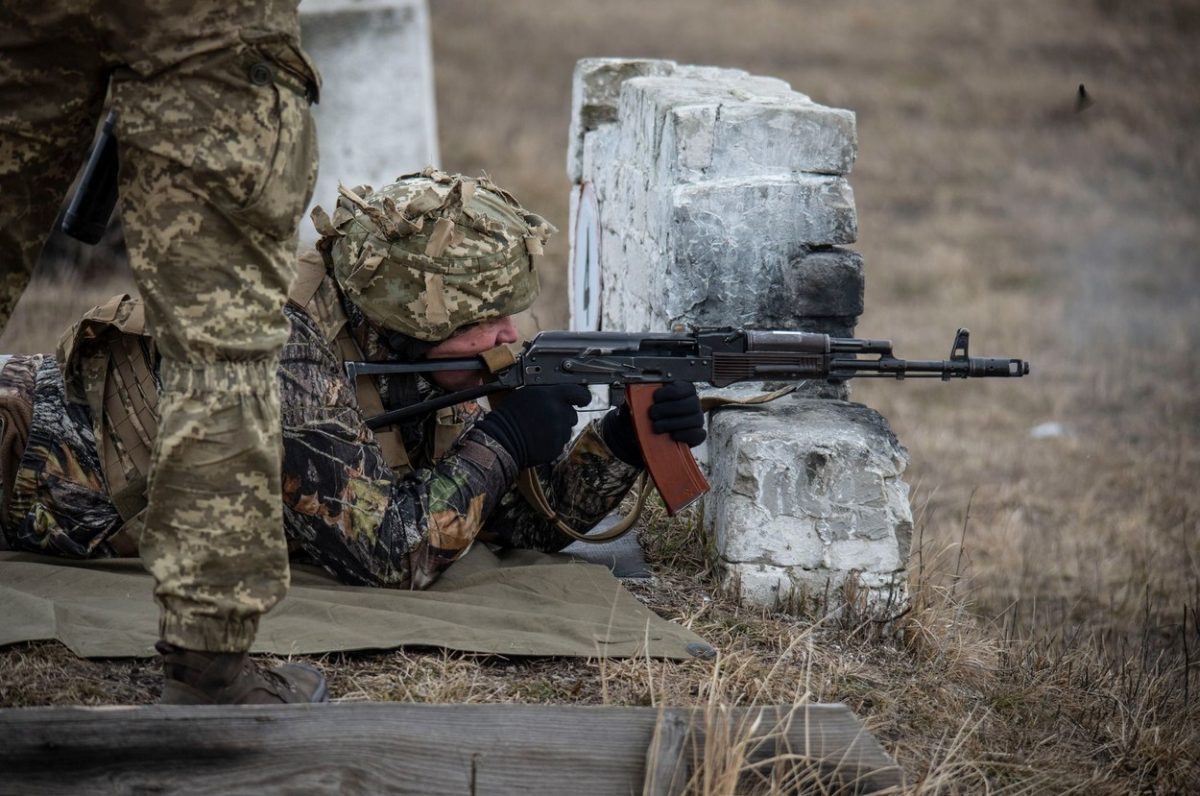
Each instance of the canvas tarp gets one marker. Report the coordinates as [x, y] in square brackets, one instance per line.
[517, 603]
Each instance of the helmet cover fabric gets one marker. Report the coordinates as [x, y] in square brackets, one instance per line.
[433, 252]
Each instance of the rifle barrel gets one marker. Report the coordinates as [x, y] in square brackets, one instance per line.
[946, 369]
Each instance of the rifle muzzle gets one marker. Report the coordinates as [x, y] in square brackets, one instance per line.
[997, 367]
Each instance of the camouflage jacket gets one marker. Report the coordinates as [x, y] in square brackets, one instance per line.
[347, 510]
[344, 507]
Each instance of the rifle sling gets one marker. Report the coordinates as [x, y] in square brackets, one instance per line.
[530, 486]
[531, 489]
[711, 402]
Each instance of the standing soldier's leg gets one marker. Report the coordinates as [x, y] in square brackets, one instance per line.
[52, 87]
[218, 162]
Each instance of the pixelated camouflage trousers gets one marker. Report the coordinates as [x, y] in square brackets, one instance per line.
[218, 159]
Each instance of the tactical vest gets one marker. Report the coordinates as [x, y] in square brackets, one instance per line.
[107, 361]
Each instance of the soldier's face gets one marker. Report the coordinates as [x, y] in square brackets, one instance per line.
[467, 342]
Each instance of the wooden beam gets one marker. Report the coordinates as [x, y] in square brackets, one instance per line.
[421, 749]
[667, 768]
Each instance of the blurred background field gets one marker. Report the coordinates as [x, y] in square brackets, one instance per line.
[1059, 572]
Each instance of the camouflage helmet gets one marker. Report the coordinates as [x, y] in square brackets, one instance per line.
[433, 252]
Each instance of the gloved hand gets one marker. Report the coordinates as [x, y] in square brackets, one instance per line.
[676, 411]
[534, 423]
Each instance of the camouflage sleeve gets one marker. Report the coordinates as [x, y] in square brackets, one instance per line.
[582, 486]
[59, 502]
[345, 507]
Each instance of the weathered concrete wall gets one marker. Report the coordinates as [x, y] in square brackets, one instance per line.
[722, 199]
[714, 197]
[803, 494]
[377, 117]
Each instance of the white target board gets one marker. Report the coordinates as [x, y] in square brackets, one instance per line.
[585, 260]
[377, 118]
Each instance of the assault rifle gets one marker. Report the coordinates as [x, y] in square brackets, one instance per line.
[716, 356]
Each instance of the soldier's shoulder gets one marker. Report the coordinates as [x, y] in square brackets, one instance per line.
[324, 310]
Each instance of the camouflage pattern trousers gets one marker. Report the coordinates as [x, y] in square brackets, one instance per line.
[218, 159]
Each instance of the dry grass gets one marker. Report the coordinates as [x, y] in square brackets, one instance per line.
[1053, 641]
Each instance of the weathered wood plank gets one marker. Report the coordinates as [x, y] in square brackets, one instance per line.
[667, 768]
[410, 748]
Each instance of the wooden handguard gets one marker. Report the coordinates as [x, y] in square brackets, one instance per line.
[670, 464]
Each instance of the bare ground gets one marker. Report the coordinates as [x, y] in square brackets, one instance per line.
[1053, 642]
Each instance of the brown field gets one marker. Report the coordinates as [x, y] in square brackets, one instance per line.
[1054, 644]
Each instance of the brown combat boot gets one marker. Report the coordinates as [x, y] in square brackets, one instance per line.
[231, 678]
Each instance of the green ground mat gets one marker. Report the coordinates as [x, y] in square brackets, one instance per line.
[519, 602]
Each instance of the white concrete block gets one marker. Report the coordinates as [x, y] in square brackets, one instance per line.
[713, 197]
[711, 129]
[595, 89]
[818, 290]
[727, 252]
[764, 216]
[377, 116]
[709, 183]
[810, 488]
[772, 586]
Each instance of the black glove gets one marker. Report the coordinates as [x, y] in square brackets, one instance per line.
[534, 423]
[676, 411]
